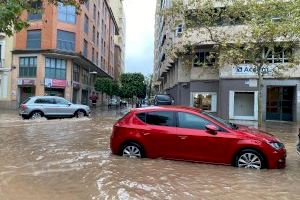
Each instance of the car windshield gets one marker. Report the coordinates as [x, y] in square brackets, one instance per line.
[163, 98]
[221, 121]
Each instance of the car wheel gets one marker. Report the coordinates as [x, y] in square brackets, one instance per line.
[132, 150]
[36, 115]
[79, 114]
[249, 158]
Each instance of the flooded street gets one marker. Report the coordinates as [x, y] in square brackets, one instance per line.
[70, 159]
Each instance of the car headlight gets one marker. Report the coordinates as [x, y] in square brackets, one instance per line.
[276, 145]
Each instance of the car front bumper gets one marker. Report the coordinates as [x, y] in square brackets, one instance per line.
[278, 159]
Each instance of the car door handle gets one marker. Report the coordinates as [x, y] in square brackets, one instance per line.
[183, 137]
[145, 134]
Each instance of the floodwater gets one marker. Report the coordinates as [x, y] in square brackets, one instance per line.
[70, 159]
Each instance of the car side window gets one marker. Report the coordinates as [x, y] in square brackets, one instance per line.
[160, 118]
[44, 101]
[142, 117]
[61, 101]
[187, 120]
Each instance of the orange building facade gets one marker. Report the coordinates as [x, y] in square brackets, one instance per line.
[63, 53]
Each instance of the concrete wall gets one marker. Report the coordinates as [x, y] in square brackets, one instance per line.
[225, 85]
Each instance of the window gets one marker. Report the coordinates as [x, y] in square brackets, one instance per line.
[278, 55]
[61, 101]
[56, 68]
[87, 4]
[97, 59]
[66, 13]
[204, 58]
[86, 24]
[98, 19]
[205, 100]
[75, 73]
[28, 67]
[142, 116]
[85, 48]
[94, 34]
[45, 101]
[94, 12]
[65, 40]
[187, 120]
[34, 39]
[93, 55]
[179, 30]
[97, 39]
[85, 76]
[35, 16]
[160, 118]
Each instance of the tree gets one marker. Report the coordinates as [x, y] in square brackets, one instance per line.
[148, 82]
[11, 11]
[240, 31]
[132, 84]
[104, 85]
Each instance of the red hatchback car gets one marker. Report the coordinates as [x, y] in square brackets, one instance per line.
[184, 133]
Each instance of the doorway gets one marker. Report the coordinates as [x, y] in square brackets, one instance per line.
[280, 103]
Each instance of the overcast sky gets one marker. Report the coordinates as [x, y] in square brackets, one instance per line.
[140, 17]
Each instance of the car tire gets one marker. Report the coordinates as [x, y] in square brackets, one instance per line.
[132, 150]
[36, 115]
[80, 113]
[250, 158]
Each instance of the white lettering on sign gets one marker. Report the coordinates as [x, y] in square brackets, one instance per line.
[250, 70]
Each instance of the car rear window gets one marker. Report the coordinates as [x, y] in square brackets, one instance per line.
[160, 118]
[163, 98]
[26, 100]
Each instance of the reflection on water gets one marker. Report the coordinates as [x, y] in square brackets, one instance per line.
[70, 159]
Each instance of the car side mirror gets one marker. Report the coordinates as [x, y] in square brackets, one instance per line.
[211, 129]
[69, 104]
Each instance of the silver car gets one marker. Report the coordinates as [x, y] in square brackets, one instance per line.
[51, 107]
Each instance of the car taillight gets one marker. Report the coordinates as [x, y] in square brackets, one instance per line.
[23, 107]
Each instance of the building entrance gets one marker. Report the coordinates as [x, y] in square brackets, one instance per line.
[280, 103]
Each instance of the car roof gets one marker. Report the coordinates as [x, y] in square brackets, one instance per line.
[166, 108]
[36, 97]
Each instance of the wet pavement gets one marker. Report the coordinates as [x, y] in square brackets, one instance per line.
[70, 159]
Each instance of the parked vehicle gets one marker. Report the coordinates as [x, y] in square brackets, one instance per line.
[163, 99]
[184, 133]
[51, 107]
[113, 103]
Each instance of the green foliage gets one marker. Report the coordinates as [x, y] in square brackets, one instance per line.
[11, 11]
[133, 85]
[238, 30]
[107, 86]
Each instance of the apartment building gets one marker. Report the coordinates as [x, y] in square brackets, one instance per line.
[6, 44]
[231, 92]
[63, 53]
[118, 11]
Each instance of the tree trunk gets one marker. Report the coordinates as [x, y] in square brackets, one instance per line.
[260, 87]
[102, 102]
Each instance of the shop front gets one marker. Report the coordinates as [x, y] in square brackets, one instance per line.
[26, 88]
[54, 87]
[85, 97]
[76, 92]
